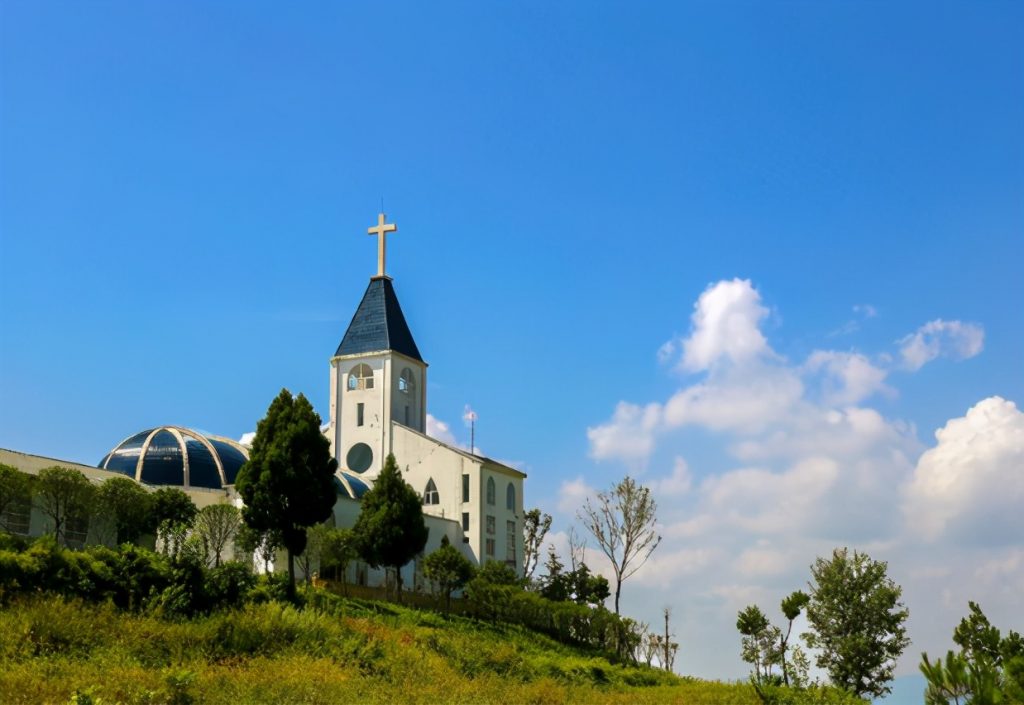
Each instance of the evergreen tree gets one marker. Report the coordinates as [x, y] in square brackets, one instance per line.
[390, 530]
[448, 569]
[288, 483]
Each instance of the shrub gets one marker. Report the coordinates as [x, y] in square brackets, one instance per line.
[229, 584]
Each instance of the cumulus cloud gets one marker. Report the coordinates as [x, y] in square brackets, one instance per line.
[726, 325]
[972, 482]
[849, 377]
[246, 439]
[628, 436]
[787, 460]
[678, 483]
[573, 494]
[440, 430]
[953, 339]
[749, 398]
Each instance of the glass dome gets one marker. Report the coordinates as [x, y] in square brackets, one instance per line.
[349, 485]
[171, 455]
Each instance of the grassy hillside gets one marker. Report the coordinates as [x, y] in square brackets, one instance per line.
[338, 651]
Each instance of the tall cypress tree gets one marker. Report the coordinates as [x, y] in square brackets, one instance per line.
[288, 483]
[390, 530]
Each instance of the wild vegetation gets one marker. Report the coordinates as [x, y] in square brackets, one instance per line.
[135, 626]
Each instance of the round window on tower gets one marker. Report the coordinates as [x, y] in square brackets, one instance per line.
[359, 458]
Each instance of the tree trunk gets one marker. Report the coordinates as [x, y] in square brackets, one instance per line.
[785, 674]
[668, 662]
[398, 584]
[618, 589]
[291, 574]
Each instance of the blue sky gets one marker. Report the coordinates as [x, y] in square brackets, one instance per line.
[185, 191]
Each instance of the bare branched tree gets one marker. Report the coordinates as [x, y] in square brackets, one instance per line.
[577, 549]
[536, 525]
[622, 522]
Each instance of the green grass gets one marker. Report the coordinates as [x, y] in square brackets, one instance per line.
[332, 651]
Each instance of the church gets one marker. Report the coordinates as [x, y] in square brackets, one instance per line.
[378, 405]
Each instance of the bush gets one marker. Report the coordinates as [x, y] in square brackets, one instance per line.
[229, 584]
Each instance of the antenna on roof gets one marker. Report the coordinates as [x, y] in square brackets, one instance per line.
[469, 416]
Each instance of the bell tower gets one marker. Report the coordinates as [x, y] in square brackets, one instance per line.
[377, 374]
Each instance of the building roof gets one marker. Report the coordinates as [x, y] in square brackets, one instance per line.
[483, 459]
[379, 324]
[172, 455]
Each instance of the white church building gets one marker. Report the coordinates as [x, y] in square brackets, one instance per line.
[378, 405]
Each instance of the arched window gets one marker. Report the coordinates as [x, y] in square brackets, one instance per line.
[430, 495]
[407, 382]
[360, 377]
[510, 498]
[490, 490]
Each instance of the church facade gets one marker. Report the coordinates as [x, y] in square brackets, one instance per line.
[378, 405]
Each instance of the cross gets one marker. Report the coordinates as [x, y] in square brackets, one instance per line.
[381, 230]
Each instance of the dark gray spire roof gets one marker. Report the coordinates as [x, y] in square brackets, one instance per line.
[379, 324]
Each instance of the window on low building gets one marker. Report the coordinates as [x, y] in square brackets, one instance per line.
[492, 526]
[510, 543]
[76, 529]
[430, 495]
[17, 516]
[465, 488]
[359, 414]
[510, 498]
[360, 377]
[490, 490]
[465, 521]
[489, 547]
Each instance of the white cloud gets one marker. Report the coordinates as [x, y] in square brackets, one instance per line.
[865, 310]
[953, 339]
[791, 460]
[628, 436]
[678, 483]
[848, 377]
[439, 429]
[726, 322]
[972, 482]
[246, 439]
[748, 398]
[573, 494]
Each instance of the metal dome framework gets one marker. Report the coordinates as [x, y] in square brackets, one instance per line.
[152, 445]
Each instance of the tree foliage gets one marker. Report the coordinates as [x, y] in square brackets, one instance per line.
[622, 522]
[339, 550]
[857, 622]
[761, 643]
[792, 605]
[216, 525]
[578, 585]
[15, 489]
[988, 669]
[173, 514]
[448, 569]
[64, 495]
[127, 508]
[536, 525]
[288, 482]
[390, 530]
